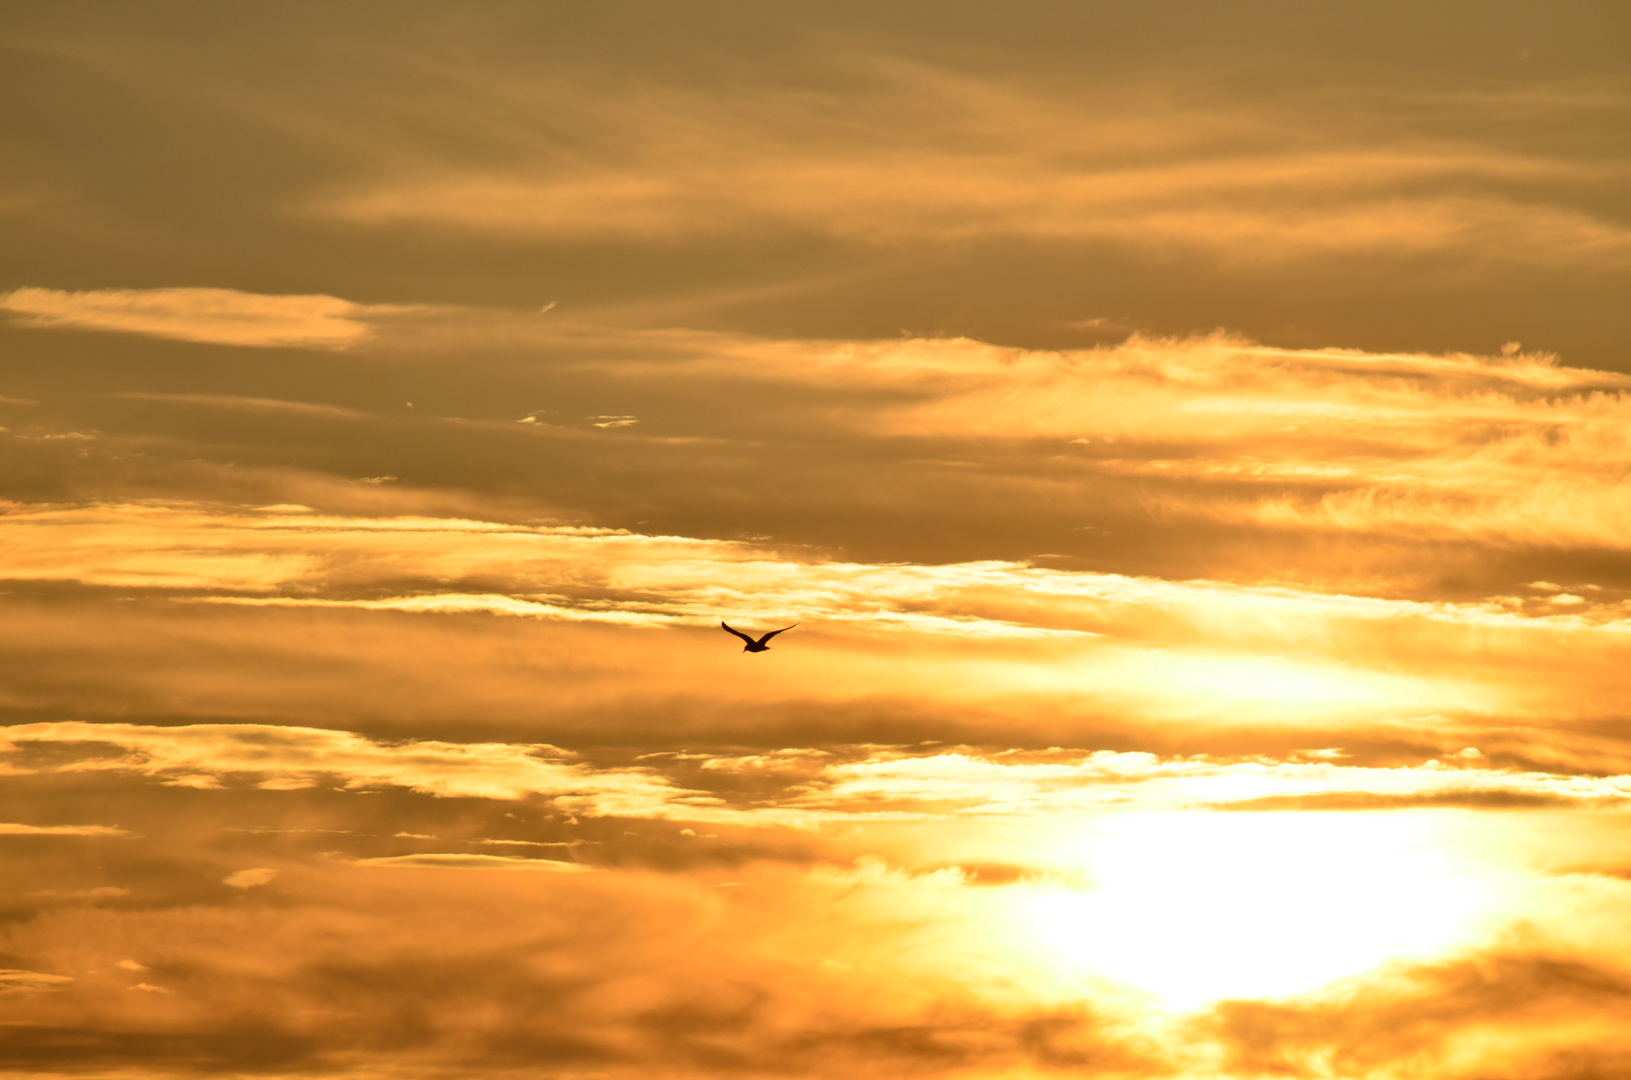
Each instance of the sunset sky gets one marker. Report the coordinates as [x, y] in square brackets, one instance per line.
[1193, 441]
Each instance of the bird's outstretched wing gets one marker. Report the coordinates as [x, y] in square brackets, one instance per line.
[770, 635]
[738, 633]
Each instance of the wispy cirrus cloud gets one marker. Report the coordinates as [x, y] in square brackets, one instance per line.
[1515, 449]
[615, 575]
[208, 315]
[944, 198]
[972, 784]
[459, 861]
[11, 828]
[1506, 456]
[790, 787]
[933, 154]
[290, 758]
[238, 403]
[14, 981]
[1177, 648]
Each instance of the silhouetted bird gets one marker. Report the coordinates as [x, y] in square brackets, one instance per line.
[757, 646]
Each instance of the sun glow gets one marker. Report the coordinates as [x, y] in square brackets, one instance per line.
[1195, 908]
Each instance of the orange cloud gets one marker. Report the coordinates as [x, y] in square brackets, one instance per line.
[290, 758]
[14, 829]
[1012, 630]
[213, 316]
[1517, 449]
[931, 154]
[795, 787]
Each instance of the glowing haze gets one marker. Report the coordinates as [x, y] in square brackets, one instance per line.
[1192, 440]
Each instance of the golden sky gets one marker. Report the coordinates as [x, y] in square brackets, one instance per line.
[1192, 440]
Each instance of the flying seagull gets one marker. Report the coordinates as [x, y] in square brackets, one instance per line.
[757, 646]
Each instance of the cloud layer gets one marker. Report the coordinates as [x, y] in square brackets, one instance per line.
[1190, 441]
[213, 316]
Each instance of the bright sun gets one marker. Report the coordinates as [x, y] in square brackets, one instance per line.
[1196, 907]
